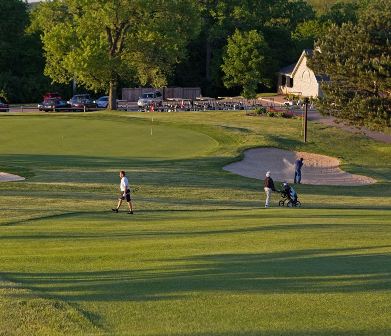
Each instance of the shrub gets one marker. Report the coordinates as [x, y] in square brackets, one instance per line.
[287, 114]
[260, 110]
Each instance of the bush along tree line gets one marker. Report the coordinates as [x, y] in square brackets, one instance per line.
[227, 47]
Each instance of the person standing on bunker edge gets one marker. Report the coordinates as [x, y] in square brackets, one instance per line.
[298, 166]
[269, 187]
[125, 193]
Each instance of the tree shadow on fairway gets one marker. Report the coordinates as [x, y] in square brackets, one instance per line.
[148, 171]
[189, 232]
[283, 142]
[345, 270]
[196, 172]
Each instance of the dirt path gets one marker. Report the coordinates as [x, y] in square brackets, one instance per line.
[4, 177]
[314, 115]
[317, 169]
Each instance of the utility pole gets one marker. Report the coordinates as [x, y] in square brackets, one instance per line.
[306, 101]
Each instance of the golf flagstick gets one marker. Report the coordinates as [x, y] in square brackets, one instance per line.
[152, 109]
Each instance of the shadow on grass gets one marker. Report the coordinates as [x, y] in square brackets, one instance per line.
[212, 214]
[133, 233]
[283, 142]
[205, 173]
[345, 270]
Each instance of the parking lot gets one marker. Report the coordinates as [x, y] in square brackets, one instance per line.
[173, 105]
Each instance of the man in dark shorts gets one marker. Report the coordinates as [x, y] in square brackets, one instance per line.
[125, 193]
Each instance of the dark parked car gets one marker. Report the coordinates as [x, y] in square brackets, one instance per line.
[82, 101]
[3, 106]
[54, 104]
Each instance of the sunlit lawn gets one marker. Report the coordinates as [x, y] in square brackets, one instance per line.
[200, 256]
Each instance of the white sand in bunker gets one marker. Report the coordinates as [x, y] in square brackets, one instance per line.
[4, 177]
[317, 169]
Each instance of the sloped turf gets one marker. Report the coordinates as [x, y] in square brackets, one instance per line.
[200, 256]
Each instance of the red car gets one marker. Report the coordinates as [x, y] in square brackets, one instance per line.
[3, 106]
[51, 95]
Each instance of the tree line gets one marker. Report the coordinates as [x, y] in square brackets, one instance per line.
[227, 47]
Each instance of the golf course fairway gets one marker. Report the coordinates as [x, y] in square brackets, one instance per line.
[200, 256]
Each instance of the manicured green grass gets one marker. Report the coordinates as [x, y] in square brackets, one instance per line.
[62, 135]
[200, 256]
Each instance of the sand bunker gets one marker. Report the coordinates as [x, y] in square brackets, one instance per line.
[4, 177]
[317, 169]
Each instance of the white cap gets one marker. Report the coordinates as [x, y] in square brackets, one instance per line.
[268, 174]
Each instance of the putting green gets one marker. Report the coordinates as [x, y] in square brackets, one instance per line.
[99, 137]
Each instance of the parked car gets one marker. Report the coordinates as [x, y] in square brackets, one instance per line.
[102, 102]
[50, 95]
[3, 106]
[54, 104]
[82, 101]
[150, 97]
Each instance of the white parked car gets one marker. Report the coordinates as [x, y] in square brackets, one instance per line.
[102, 102]
[150, 97]
[289, 103]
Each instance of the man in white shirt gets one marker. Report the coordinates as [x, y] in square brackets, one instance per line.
[125, 193]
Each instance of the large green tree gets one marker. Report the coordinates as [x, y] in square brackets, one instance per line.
[100, 42]
[306, 33]
[357, 58]
[247, 62]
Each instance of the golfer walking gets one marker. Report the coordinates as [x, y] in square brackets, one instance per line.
[298, 166]
[269, 188]
[125, 193]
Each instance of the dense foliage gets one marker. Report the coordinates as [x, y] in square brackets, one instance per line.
[105, 44]
[357, 58]
[247, 62]
[21, 61]
[100, 42]
[275, 21]
[226, 47]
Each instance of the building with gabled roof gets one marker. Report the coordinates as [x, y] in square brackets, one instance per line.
[298, 79]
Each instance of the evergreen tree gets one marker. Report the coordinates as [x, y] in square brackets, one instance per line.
[357, 58]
